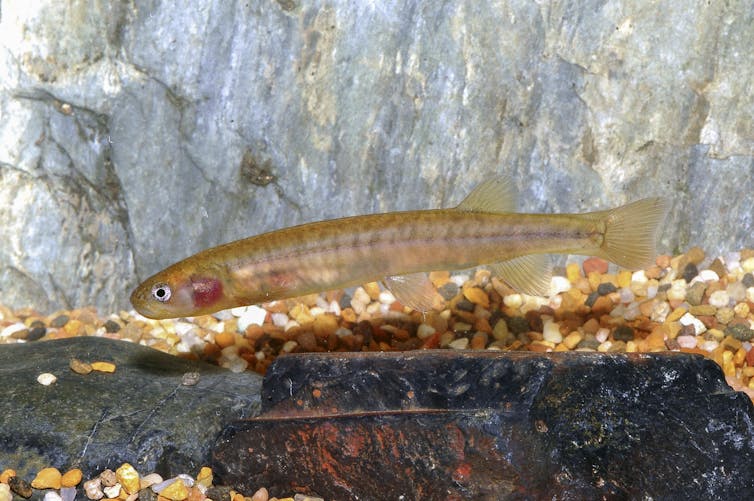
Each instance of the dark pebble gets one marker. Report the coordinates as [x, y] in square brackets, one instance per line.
[465, 305]
[664, 288]
[112, 326]
[518, 325]
[589, 342]
[345, 301]
[672, 344]
[365, 330]
[218, 493]
[605, 289]
[740, 332]
[59, 321]
[37, 323]
[36, 333]
[149, 495]
[687, 330]
[748, 280]
[449, 291]
[689, 272]
[20, 487]
[623, 333]
[535, 321]
[591, 299]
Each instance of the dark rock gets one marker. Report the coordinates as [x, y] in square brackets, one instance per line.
[689, 272]
[606, 288]
[482, 425]
[59, 321]
[112, 326]
[465, 305]
[36, 333]
[748, 280]
[518, 325]
[20, 487]
[740, 332]
[591, 298]
[141, 414]
[449, 291]
[623, 333]
[589, 342]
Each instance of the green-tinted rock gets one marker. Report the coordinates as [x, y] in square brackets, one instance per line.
[141, 414]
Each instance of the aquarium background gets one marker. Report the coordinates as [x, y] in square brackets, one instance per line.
[133, 134]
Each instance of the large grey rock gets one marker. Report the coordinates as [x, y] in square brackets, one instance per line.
[133, 134]
[141, 414]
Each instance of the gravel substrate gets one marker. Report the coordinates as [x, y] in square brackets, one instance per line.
[688, 303]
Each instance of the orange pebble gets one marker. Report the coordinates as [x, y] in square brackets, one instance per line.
[71, 478]
[225, 339]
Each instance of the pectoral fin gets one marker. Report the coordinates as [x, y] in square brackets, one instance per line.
[414, 290]
[529, 274]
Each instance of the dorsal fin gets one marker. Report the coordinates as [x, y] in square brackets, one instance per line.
[497, 194]
[530, 274]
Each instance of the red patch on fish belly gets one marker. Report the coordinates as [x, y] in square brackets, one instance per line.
[206, 290]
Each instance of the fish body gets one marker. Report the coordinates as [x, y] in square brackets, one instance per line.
[399, 246]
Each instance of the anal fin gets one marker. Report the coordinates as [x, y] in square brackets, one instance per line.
[530, 274]
[414, 290]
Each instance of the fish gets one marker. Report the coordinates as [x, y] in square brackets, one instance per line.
[400, 248]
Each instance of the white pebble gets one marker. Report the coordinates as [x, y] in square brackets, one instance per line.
[68, 493]
[632, 311]
[677, 290]
[316, 311]
[342, 332]
[460, 279]
[748, 265]
[93, 488]
[112, 491]
[602, 334]
[424, 331]
[551, 332]
[689, 319]
[513, 300]
[5, 493]
[626, 295]
[736, 291]
[279, 319]
[260, 355]
[709, 345]
[750, 294]
[150, 480]
[709, 276]
[686, 341]
[386, 297]
[559, 284]
[11, 329]
[605, 347]
[289, 346]
[651, 291]
[660, 312]
[290, 324]
[555, 302]
[719, 299]
[160, 486]
[639, 277]
[335, 308]
[254, 315]
[238, 365]
[46, 379]
[459, 344]
[52, 496]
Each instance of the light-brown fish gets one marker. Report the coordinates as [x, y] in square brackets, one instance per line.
[399, 248]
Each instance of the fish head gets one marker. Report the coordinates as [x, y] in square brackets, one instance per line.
[169, 295]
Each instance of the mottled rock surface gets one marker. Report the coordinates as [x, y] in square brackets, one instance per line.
[485, 425]
[135, 133]
[141, 414]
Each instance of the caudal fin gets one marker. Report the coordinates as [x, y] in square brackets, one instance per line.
[631, 232]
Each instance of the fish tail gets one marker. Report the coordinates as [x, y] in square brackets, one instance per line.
[631, 232]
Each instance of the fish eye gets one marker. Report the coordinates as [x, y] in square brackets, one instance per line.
[161, 292]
